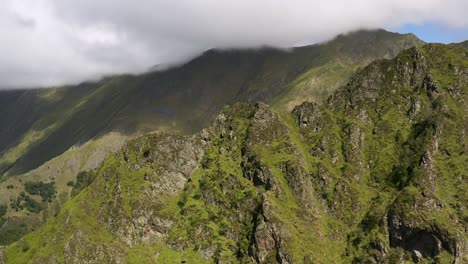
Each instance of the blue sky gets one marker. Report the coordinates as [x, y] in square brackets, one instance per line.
[435, 32]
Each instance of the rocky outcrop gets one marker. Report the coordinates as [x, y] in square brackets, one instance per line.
[163, 164]
[406, 87]
[268, 237]
[80, 249]
[261, 175]
[2, 256]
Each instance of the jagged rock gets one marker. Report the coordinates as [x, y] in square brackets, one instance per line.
[308, 114]
[208, 253]
[260, 175]
[220, 121]
[300, 183]
[2, 256]
[174, 158]
[79, 249]
[268, 237]
[417, 256]
[265, 126]
[205, 135]
[427, 241]
[415, 106]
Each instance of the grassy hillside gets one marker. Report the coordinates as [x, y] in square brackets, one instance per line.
[61, 173]
[337, 61]
[38, 125]
[28, 117]
[375, 174]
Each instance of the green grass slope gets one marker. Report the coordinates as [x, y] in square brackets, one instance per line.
[376, 174]
[61, 174]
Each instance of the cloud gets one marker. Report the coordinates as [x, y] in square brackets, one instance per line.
[52, 42]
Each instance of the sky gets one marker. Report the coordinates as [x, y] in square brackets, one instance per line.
[435, 32]
[56, 42]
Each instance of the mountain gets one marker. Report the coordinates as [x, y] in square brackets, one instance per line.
[38, 125]
[48, 136]
[374, 174]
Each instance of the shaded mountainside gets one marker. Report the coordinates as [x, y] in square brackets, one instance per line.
[37, 125]
[376, 174]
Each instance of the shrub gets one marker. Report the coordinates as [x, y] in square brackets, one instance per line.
[412, 152]
[45, 190]
[83, 179]
[24, 245]
[3, 210]
[31, 205]
[25, 202]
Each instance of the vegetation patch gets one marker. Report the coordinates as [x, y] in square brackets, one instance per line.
[24, 201]
[83, 179]
[3, 210]
[45, 190]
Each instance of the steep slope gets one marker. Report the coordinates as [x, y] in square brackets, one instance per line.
[42, 124]
[27, 117]
[62, 173]
[342, 57]
[377, 174]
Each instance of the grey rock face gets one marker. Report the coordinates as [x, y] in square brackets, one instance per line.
[268, 237]
[261, 175]
[308, 115]
[79, 249]
[2, 256]
[166, 162]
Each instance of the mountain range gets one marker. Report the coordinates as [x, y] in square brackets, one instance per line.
[51, 134]
[357, 156]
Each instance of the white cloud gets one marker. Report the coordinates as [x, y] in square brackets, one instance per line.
[50, 42]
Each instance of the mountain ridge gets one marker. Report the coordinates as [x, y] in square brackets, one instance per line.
[134, 104]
